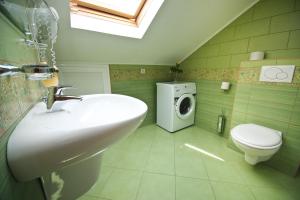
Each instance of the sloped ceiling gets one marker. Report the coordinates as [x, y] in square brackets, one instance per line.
[179, 28]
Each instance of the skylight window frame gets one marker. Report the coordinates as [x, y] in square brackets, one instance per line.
[94, 20]
[92, 11]
[93, 4]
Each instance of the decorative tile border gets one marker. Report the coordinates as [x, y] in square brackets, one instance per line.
[213, 74]
[135, 74]
[247, 73]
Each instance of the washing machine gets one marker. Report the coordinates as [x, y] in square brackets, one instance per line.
[176, 103]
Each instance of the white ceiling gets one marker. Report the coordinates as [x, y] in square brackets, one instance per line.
[179, 28]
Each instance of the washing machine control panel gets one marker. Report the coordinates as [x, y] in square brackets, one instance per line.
[180, 89]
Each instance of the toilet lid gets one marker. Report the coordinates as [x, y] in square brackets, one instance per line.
[256, 135]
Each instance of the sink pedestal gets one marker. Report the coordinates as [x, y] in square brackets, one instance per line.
[72, 181]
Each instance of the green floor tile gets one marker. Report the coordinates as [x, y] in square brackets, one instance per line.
[193, 189]
[230, 191]
[122, 185]
[273, 194]
[164, 142]
[112, 156]
[155, 186]
[261, 175]
[87, 197]
[186, 135]
[139, 144]
[96, 190]
[135, 160]
[222, 171]
[161, 162]
[189, 163]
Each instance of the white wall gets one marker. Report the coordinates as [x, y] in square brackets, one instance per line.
[85, 78]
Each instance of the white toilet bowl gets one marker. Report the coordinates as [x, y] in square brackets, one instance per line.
[259, 143]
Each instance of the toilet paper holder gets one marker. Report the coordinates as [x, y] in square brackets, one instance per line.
[225, 85]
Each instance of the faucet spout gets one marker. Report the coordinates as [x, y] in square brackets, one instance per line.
[64, 98]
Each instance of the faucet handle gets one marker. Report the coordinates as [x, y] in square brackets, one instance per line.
[44, 99]
[60, 89]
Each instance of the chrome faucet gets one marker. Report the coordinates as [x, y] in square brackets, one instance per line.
[55, 93]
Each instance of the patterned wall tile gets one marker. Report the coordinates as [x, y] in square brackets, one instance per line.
[133, 73]
[249, 75]
[213, 74]
[230, 74]
[17, 94]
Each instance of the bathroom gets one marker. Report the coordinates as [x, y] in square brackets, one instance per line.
[221, 46]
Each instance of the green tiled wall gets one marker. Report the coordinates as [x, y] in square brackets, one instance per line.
[16, 96]
[272, 26]
[275, 105]
[127, 80]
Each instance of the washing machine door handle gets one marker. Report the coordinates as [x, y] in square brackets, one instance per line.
[185, 106]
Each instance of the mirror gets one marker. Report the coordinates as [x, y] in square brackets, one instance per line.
[15, 11]
[38, 22]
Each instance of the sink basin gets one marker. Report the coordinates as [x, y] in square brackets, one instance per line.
[47, 141]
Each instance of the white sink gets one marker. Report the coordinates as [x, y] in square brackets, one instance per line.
[47, 141]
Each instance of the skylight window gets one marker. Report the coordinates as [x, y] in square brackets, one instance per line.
[130, 18]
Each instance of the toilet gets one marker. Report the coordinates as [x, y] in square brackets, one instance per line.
[259, 143]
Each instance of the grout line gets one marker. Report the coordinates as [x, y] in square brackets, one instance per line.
[143, 169]
[289, 37]
[105, 182]
[269, 25]
[209, 180]
[295, 5]
[139, 186]
[251, 191]
[174, 163]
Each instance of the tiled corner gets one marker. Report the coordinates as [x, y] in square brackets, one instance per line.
[128, 80]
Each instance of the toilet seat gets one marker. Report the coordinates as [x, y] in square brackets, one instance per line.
[257, 136]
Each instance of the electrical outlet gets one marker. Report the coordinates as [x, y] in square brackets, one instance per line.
[143, 71]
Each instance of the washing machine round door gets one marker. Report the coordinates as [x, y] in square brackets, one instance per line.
[185, 106]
